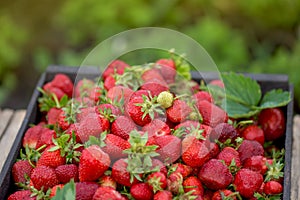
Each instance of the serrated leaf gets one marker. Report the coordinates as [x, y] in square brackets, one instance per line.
[236, 110]
[241, 89]
[275, 98]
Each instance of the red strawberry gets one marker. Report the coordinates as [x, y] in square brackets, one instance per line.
[91, 125]
[64, 83]
[46, 138]
[156, 128]
[117, 66]
[247, 182]
[122, 127]
[139, 93]
[161, 166]
[192, 183]
[228, 154]
[31, 137]
[223, 132]
[169, 148]
[215, 175]
[166, 62]
[254, 132]
[103, 193]
[85, 190]
[212, 115]
[175, 181]
[63, 123]
[20, 170]
[157, 181]
[43, 176]
[272, 188]
[109, 82]
[51, 158]
[167, 68]
[202, 95]
[83, 87]
[50, 89]
[108, 109]
[141, 191]
[272, 122]
[194, 152]
[256, 163]
[114, 146]
[217, 82]
[155, 87]
[120, 173]
[178, 111]
[250, 148]
[163, 195]
[183, 169]
[118, 92]
[52, 115]
[23, 194]
[65, 173]
[152, 74]
[93, 163]
[107, 181]
[221, 194]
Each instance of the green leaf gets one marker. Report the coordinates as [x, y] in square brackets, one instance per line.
[275, 98]
[236, 110]
[241, 89]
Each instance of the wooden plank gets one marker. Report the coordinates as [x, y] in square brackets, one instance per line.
[10, 134]
[5, 116]
[295, 176]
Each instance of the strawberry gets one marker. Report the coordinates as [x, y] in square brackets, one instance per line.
[122, 127]
[107, 181]
[160, 165]
[93, 163]
[157, 181]
[109, 82]
[53, 91]
[163, 195]
[272, 122]
[31, 136]
[183, 169]
[51, 158]
[215, 175]
[194, 152]
[65, 173]
[169, 148]
[256, 163]
[217, 82]
[83, 87]
[155, 87]
[91, 125]
[250, 148]
[103, 193]
[166, 62]
[152, 74]
[212, 115]
[228, 154]
[175, 181]
[43, 177]
[52, 115]
[202, 95]
[253, 132]
[156, 128]
[139, 93]
[247, 182]
[193, 184]
[141, 191]
[223, 132]
[272, 188]
[55, 189]
[64, 83]
[85, 190]
[46, 138]
[23, 194]
[165, 99]
[108, 110]
[142, 110]
[117, 66]
[178, 111]
[118, 92]
[114, 146]
[120, 173]
[224, 194]
[167, 68]
[20, 170]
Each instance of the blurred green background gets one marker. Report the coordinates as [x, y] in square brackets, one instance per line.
[260, 36]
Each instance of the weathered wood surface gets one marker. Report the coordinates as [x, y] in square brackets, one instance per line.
[10, 122]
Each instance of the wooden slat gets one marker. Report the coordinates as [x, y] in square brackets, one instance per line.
[5, 116]
[295, 176]
[10, 134]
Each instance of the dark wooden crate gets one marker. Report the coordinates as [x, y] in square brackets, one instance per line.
[266, 81]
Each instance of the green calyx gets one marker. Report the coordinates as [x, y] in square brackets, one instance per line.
[150, 106]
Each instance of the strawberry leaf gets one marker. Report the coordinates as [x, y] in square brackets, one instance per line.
[275, 98]
[68, 192]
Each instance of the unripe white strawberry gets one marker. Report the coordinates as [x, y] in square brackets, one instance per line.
[165, 99]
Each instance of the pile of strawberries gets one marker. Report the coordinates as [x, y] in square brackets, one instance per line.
[144, 132]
